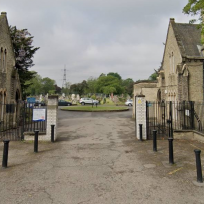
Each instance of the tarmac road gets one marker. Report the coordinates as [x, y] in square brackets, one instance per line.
[97, 160]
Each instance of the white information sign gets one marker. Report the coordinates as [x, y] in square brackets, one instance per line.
[39, 114]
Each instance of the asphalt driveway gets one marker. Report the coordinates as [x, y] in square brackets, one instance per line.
[97, 160]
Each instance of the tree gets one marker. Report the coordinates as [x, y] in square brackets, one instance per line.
[91, 85]
[79, 88]
[48, 86]
[128, 85]
[115, 75]
[196, 8]
[58, 90]
[24, 52]
[105, 83]
[34, 85]
[153, 76]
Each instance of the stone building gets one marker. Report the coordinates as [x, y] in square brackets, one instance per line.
[147, 88]
[10, 90]
[181, 75]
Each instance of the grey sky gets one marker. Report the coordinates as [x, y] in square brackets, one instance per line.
[92, 37]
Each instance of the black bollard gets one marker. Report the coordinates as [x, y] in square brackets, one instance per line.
[198, 166]
[140, 132]
[5, 153]
[52, 133]
[154, 140]
[171, 151]
[36, 141]
[96, 105]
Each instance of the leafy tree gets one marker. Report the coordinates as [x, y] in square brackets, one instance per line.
[196, 8]
[91, 85]
[153, 76]
[24, 52]
[79, 88]
[115, 75]
[57, 89]
[128, 85]
[34, 85]
[48, 86]
[105, 83]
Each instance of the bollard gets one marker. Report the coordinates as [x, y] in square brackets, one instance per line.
[36, 141]
[171, 151]
[52, 133]
[198, 166]
[154, 140]
[96, 105]
[5, 153]
[140, 132]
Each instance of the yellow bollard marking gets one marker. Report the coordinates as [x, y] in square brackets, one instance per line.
[172, 172]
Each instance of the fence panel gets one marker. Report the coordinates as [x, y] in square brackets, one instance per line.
[15, 119]
[168, 116]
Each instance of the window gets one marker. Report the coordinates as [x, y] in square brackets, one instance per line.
[172, 54]
[4, 64]
[1, 60]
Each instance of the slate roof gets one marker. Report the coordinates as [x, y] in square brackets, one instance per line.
[188, 37]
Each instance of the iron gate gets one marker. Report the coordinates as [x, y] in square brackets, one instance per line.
[167, 116]
[15, 119]
[159, 117]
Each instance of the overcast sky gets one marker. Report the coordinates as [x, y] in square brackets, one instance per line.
[92, 37]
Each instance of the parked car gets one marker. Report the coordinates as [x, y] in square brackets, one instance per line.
[64, 103]
[84, 101]
[129, 102]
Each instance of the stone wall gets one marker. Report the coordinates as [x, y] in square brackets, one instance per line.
[171, 58]
[9, 81]
[52, 119]
[195, 80]
[188, 135]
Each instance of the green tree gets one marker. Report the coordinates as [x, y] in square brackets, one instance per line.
[104, 83]
[48, 86]
[24, 53]
[79, 88]
[91, 85]
[153, 76]
[114, 74]
[196, 8]
[34, 85]
[128, 86]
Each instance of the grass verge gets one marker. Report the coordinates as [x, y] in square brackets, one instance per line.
[88, 108]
